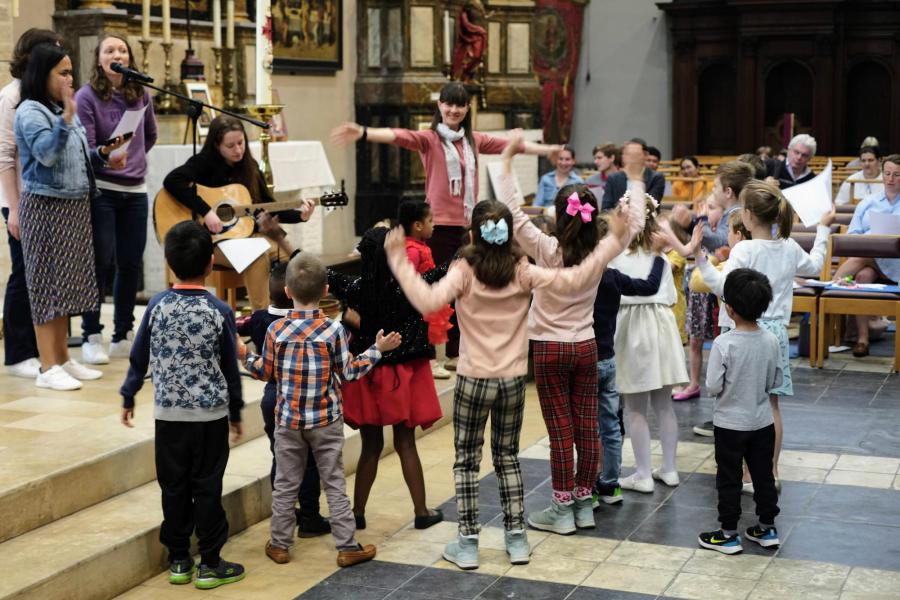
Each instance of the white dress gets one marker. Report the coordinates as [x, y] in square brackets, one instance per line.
[649, 354]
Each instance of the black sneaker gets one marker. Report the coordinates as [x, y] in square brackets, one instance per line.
[706, 430]
[309, 526]
[718, 541]
[765, 537]
[181, 571]
[227, 572]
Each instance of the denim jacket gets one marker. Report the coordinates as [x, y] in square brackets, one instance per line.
[55, 157]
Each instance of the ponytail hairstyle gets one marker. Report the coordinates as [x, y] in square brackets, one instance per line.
[494, 261]
[768, 205]
[644, 238]
[577, 237]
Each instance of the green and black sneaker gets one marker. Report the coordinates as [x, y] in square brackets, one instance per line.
[181, 571]
[718, 541]
[227, 572]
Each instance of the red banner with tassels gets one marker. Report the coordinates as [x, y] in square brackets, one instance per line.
[557, 41]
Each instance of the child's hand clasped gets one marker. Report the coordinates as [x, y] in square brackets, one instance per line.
[386, 343]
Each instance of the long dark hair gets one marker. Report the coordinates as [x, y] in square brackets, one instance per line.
[456, 94]
[26, 42]
[247, 168]
[494, 264]
[132, 90]
[43, 58]
[577, 238]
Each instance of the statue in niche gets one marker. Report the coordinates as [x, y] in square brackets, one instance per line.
[471, 41]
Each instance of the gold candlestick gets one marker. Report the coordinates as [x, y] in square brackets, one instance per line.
[265, 113]
[217, 52]
[230, 96]
[145, 47]
[164, 103]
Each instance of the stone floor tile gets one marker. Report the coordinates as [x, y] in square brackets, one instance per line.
[803, 572]
[860, 479]
[630, 579]
[570, 571]
[869, 596]
[820, 460]
[494, 538]
[46, 425]
[452, 584]
[842, 543]
[777, 590]
[740, 566]
[510, 587]
[329, 590]
[867, 464]
[490, 562]
[578, 547]
[376, 574]
[410, 552]
[703, 587]
[873, 581]
[650, 555]
[277, 587]
[807, 474]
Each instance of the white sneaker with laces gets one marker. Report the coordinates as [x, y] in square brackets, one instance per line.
[81, 372]
[122, 348]
[439, 372]
[92, 351]
[671, 479]
[56, 378]
[645, 486]
[28, 369]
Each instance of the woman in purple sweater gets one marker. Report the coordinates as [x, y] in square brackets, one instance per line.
[119, 212]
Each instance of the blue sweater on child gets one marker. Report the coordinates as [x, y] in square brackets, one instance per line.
[188, 340]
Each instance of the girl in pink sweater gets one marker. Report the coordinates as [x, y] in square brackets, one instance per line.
[492, 284]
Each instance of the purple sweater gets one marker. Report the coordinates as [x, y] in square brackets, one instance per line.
[100, 119]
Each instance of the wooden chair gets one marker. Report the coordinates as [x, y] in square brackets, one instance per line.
[837, 302]
[806, 298]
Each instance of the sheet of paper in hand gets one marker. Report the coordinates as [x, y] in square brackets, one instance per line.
[811, 199]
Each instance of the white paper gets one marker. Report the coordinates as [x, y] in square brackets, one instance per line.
[811, 199]
[495, 171]
[240, 253]
[129, 122]
[884, 223]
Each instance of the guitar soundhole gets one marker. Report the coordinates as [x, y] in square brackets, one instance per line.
[225, 212]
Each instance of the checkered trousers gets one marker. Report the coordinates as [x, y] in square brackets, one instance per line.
[503, 399]
[565, 374]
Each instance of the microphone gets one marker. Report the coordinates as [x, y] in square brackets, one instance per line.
[131, 73]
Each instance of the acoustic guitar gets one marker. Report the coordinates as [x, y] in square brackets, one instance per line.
[234, 207]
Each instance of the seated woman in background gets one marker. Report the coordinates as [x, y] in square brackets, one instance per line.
[225, 159]
[868, 270]
[560, 177]
[692, 191]
[871, 169]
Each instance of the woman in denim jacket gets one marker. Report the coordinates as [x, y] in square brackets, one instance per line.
[54, 211]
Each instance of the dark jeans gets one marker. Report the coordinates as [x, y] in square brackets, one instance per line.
[119, 220]
[18, 332]
[445, 241]
[310, 486]
[190, 463]
[756, 447]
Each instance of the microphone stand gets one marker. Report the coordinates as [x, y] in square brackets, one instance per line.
[194, 108]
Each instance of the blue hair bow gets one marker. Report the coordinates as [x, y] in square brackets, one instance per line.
[495, 232]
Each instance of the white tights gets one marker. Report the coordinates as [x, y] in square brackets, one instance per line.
[636, 407]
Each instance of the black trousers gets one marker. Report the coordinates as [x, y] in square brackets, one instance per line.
[190, 464]
[19, 342]
[756, 447]
[445, 241]
[310, 487]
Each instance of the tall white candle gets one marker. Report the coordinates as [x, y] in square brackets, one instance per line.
[145, 19]
[447, 43]
[167, 21]
[263, 76]
[217, 23]
[229, 24]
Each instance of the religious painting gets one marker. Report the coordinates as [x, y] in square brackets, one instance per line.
[307, 36]
[199, 91]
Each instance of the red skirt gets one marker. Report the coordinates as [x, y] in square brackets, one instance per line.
[391, 395]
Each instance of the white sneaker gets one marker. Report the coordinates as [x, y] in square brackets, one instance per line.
[439, 372]
[122, 348]
[645, 486]
[92, 351]
[81, 372]
[29, 368]
[56, 378]
[670, 479]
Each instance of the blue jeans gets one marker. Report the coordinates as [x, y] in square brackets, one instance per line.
[119, 220]
[19, 343]
[610, 431]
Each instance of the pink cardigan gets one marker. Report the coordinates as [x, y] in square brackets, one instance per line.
[445, 209]
[493, 342]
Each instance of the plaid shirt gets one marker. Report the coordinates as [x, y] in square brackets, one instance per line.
[307, 355]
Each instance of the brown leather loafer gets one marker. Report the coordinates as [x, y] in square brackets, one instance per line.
[348, 558]
[860, 349]
[279, 555]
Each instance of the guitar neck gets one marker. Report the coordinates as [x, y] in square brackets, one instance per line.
[338, 199]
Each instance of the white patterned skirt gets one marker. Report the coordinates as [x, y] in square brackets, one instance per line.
[58, 250]
[649, 354]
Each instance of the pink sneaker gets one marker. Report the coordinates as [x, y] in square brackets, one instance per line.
[686, 394]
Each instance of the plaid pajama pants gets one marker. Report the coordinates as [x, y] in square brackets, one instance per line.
[503, 399]
[567, 383]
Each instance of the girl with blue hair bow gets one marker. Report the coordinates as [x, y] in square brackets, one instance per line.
[492, 282]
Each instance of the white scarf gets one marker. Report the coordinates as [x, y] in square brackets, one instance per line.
[454, 169]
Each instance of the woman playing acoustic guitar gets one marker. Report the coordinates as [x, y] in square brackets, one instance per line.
[224, 160]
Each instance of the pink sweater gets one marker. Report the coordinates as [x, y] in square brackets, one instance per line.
[493, 340]
[445, 208]
[556, 315]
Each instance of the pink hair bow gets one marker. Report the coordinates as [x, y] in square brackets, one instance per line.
[576, 206]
